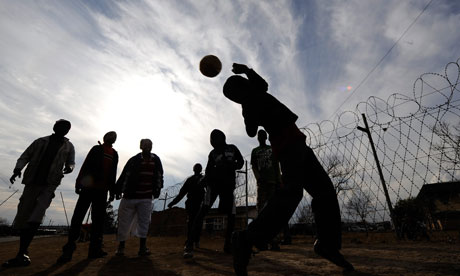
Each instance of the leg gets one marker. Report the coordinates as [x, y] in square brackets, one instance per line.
[227, 206]
[325, 205]
[287, 239]
[274, 216]
[266, 190]
[26, 205]
[229, 232]
[26, 237]
[43, 201]
[99, 203]
[326, 211]
[31, 209]
[126, 214]
[144, 211]
[210, 197]
[191, 214]
[121, 249]
[82, 206]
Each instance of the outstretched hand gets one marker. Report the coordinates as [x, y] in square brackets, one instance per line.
[16, 173]
[67, 170]
[239, 68]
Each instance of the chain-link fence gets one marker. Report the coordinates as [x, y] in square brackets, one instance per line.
[416, 140]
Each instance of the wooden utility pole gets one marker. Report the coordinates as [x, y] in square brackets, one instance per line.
[377, 162]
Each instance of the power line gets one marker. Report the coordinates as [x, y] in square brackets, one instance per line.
[381, 60]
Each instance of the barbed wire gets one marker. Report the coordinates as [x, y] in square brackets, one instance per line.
[403, 130]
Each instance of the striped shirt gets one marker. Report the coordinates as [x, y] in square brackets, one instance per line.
[144, 188]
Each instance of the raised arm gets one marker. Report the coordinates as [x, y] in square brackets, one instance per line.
[258, 84]
[183, 191]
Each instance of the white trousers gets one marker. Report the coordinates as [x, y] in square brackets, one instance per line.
[134, 218]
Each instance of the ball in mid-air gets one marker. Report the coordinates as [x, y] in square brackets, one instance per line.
[210, 66]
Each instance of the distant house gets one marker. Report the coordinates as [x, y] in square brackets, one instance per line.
[170, 222]
[444, 201]
[173, 221]
[216, 221]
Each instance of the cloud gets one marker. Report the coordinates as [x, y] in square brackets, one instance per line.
[132, 67]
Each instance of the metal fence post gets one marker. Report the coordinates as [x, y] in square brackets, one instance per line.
[166, 198]
[65, 212]
[247, 203]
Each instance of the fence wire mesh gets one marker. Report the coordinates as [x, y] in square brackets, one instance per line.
[416, 137]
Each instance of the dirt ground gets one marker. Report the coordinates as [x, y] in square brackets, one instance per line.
[378, 254]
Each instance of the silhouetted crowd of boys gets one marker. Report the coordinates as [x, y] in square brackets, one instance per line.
[282, 170]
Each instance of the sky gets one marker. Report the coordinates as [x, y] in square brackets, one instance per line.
[132, 67]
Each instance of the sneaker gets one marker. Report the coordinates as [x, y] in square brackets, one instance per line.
[332, 255]
[188, 253]
[20, 260]
[144, 252]
[241, 253]
[67, 252]
[188, 250]
[96, 254]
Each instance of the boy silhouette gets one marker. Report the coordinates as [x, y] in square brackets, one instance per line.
[300, 170]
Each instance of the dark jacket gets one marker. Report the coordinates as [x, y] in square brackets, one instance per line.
[194, 190]
[262, 109]
[221, 167]
[91, 175]
[130, 175]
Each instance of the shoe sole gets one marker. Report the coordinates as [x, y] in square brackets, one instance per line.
[339, 260]
[188, 255]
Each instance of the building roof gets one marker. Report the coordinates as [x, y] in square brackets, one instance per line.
[439, 189]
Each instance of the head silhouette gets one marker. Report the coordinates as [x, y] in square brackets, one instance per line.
[110, 137]
[197, 168]
[146, 145]
[61, 127]
[262, 136]
[236, 88]
[217, 138]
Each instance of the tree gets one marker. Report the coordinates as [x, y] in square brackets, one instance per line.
[306, 218]
[410, 217]
[360, 205]
[306, 214]
[5, 229]
[449, 145]
[339, 173]
[110, 222]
